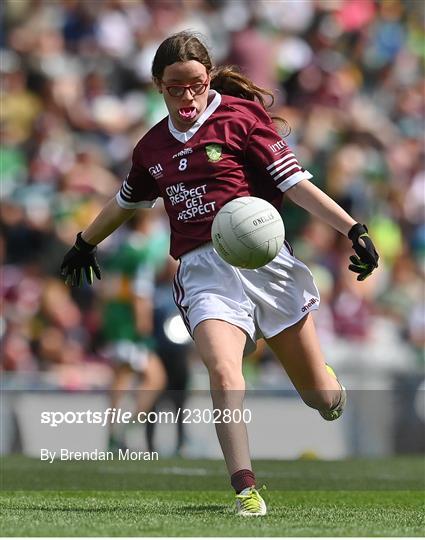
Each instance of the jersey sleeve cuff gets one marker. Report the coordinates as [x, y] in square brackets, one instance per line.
[294, 179]
[132, 205]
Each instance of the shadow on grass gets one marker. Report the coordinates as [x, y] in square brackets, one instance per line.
[186, 508]
[199, 508]
[56, 508]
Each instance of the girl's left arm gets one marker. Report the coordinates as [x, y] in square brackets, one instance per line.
[317, 203]
[312, 199]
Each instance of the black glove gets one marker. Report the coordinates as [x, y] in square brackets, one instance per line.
[367, 257]
[82, 256]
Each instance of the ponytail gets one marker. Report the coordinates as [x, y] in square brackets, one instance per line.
[230, 81]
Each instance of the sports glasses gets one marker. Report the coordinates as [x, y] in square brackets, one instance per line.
[178, 90]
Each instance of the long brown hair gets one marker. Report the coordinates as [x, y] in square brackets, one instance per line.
[180, 47]
[185, 46]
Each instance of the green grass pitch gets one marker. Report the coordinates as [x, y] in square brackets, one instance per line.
[175, 497]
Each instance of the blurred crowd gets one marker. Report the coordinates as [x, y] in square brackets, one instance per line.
[77, 96]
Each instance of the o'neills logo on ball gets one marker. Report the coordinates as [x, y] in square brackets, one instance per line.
[262, 220]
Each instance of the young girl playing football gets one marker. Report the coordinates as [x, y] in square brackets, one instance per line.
[218, 143]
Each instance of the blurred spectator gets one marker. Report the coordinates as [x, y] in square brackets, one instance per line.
[77, 96]
[173, 346]
[127, 313]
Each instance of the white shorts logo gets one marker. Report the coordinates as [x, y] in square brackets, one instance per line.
[310, 303]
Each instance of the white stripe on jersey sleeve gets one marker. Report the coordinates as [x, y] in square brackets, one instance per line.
[133, 205]
[285, 167]
[125, 190]
[294, 179]
[127, 185]
[286, 171]
[281, 160]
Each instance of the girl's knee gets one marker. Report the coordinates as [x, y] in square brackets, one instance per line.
[224, 376]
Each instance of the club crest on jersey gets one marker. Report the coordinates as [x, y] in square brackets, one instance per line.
[213, 152]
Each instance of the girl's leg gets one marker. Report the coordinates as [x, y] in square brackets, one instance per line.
[221, 346]
[299, 352]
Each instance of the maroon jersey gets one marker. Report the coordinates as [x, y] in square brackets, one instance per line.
[233, 150]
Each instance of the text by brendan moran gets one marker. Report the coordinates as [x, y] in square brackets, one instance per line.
[96, 455]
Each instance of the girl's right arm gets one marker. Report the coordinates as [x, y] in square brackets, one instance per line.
[80, 260]
[110, 218]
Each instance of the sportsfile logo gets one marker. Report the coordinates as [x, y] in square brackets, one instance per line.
[310, 303]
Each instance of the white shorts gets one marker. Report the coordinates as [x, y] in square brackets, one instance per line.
[261, 302]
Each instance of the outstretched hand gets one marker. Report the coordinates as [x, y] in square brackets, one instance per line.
[80, 258]
[366, 258]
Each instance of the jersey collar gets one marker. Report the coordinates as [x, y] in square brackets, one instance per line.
[184, 136]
